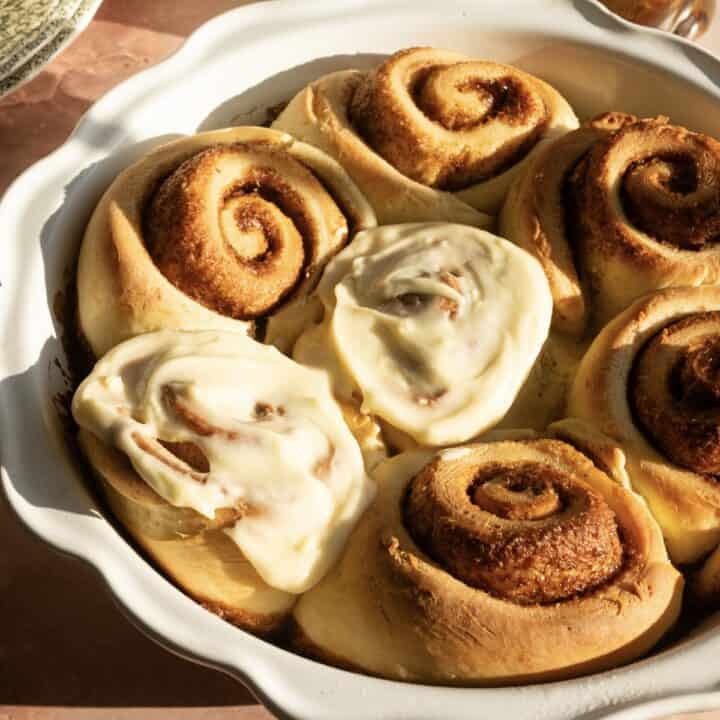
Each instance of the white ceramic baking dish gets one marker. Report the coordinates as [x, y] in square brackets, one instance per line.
[234, 65]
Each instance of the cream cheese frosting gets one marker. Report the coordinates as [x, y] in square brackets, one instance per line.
[273, 438]
[435, 325]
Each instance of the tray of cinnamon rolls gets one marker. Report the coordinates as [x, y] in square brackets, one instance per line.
[420, 379]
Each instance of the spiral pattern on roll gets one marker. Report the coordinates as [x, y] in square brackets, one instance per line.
[447, 121]
[616, 209]
[651, 382]
[484, 563]
[235, 227]
[217, 230]
[430, 120]
[669, 182]
[525, 531]
[676, 391]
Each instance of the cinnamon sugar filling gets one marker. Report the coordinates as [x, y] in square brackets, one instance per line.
[675, 392]
[525, 532]
[503, 99]
[522, 492]
[666, 197]
[391, 106]
[246, 254]
[699, 374]
[672, 194]
[189, 453]
[161, 452]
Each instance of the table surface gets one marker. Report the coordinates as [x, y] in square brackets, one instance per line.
[65, 650]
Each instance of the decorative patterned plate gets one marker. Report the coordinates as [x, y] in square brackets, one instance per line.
[32, 32]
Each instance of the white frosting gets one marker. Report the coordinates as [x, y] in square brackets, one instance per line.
[273, 436]
[455, 453]
[438, 325]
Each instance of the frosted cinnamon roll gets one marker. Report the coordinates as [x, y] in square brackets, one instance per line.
[617, 209]
[214, 231]
[429, 131]
[494, 563]
[230, 465]
[432, 328]
[651, 381]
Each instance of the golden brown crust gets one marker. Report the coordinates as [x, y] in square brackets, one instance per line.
[248, 264]
[616, 209]
[145, 509]
[430, 130]
[458, 96]
[213, 231]
[366, 431]
[542, 398]
[632, 385]
[188, 547]
[406, 617]
[675, 392]
[208, 569]
[263, 626]
[540, 534]
[592, 443]
[302, 644]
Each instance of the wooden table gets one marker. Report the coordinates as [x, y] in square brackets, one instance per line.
[65, 650]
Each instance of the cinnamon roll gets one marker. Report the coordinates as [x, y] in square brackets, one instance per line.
[229, 464]
[214, 231]
[651, 381]
[431, 328]
[429, 131]
[617, 209]
[494, 563]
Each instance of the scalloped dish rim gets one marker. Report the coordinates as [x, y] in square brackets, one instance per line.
[45, 492]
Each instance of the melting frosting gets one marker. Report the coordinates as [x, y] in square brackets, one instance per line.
[438, 325]
[274, 439]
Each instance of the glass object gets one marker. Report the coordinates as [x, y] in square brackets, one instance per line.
[689, 18]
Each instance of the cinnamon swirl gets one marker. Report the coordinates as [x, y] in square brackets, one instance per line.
[616, 209]
[214, 231]
[432, 328]
[494, 563]
[429, 131]
[230, 465]
[651, 381]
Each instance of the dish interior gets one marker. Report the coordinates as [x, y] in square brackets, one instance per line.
[233, 87]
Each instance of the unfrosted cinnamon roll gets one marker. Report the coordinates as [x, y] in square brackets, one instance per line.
[494, 563]
[616, 209]
[432, 328]
[230, 465]
[651, 381]
[430, 130]
[214, 231]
